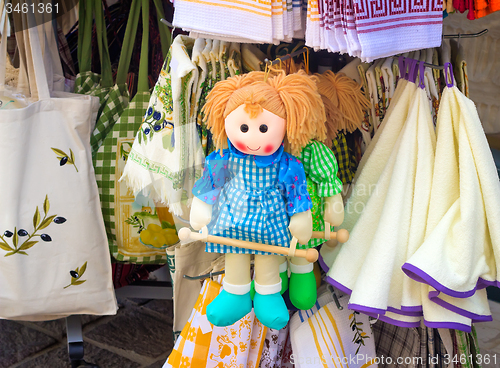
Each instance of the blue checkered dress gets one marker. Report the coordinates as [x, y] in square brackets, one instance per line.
[252, 197]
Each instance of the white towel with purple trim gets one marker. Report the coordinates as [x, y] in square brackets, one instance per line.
[392, 223]
[461, 252]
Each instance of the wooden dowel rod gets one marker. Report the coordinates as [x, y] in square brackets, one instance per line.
[342, 235]
[311, 255]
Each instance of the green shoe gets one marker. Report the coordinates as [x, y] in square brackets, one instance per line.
[270, 309]
[227, 309]
[303, 293]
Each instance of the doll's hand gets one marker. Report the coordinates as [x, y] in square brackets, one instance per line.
[334, 210]
[201, 214]
[301, 226]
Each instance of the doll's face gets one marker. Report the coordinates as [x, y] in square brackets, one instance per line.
[261, 136]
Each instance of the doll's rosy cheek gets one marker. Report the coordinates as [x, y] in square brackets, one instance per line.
[269, 149]
[240, 146]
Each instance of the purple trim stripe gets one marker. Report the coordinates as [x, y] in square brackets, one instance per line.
[410, 313]
[338, 285]
[420, 276]
[433, 295]
[399, 323]
[365, 309]
[450, 325]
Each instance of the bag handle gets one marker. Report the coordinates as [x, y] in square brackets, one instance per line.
[3, 45]
[85, 11]
[34, 55]
[130, 35]
[128, 42]
[165, 34]
[102, 44]
[142, 80]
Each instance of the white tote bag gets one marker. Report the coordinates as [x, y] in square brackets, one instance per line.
[54, 258]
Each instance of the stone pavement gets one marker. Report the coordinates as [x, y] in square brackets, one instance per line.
[139, 336]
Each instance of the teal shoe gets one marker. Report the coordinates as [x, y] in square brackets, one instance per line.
[227, 309]
[271, 310]
[303, 293]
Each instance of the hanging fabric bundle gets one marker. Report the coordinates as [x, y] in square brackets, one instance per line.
[125, 215]
[393, 182]
[166, 156]
[463, 217]
[50, 217]
[368, 32]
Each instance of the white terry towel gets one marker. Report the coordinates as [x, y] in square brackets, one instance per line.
[246, 19]
[383, 144]
[160, 168]
[476, 307]
[399, 194]
[389, 32]
[461, 252]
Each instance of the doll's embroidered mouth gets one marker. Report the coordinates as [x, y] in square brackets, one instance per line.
[253, 149]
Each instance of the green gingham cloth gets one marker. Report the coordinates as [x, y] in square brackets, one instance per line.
[320, 166]
[345, 158]
[116, 101]
[113, 101]
[105, 170]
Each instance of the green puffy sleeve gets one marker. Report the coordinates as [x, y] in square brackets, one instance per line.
[320, 165]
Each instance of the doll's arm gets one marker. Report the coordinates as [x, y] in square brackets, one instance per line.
[334, 210]
[201, 214]
[206, 190]
[298, 201]
[323, 169]
[301, 226]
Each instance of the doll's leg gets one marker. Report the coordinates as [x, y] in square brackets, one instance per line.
[284, 273]
[303, 293]
[233, 302]
[269, 306]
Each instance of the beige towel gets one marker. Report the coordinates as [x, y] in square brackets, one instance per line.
[462, 247]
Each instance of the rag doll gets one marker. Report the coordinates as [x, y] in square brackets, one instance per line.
[324, 188]
[252, 190]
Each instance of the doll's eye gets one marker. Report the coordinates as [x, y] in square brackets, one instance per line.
[244, 128]
[263, 128]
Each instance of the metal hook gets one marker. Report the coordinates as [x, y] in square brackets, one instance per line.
[164, 21]
[204, 276]
[421, 70]
[335, 299]
[467, 35]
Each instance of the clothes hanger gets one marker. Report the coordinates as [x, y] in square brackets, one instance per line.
[285, 57]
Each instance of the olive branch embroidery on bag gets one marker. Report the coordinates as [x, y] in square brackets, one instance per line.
[76, 275]
[359, 335]
[38, 224]
[65, 158]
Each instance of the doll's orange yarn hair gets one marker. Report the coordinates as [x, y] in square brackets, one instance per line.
[292, 97]
[347, 96]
